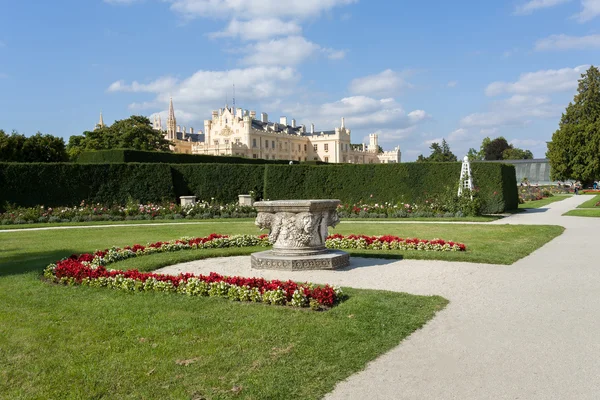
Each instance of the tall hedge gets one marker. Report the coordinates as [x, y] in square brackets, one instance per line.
[407, 182]
[127, 156]
[65, 184]
[223, 182]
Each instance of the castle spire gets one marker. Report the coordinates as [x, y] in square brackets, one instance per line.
[100, 123]
[171, 122]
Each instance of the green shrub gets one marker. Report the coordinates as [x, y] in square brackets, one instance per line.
[128, 156]
[406, 182]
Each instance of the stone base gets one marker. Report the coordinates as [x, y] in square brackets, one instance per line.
[332, 259]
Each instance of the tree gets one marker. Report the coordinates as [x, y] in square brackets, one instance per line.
[439, 153]
[514, 153]
[574, 152]
[473, 155]
[36, 148]
[495, 148]
[500, 149]
[135, 132]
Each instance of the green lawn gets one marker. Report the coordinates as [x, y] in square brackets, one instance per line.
[542, 202]
[586, 209]
[484, 218]
[82, 342]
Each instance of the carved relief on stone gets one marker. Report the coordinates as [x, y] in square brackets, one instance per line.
[226, 131]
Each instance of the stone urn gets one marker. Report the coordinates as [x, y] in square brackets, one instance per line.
[298, 229]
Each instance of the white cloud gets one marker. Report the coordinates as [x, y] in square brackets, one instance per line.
[258, 29]
[564, 42]
[525, 143]
[534, 5]
[489, 131]
[432, 141]
[544, 81]
[363, 115]
[518, 110]
[255, 8]
[291, 50]
[590, 10]
[159, 85]
[387, 82]
[458, 134]
[452, 84]
[196, 96]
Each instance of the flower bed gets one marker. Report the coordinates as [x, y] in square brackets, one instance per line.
[90, 270]
[130, 212]
[389, 242]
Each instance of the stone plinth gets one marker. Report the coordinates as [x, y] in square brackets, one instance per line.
[298, 229]
[187, 200]
[245, 200]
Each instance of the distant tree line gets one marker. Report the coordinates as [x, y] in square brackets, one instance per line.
[135, 132]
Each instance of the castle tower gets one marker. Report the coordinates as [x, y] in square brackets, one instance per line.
[171, 122]
[373, 143]
[100, 123]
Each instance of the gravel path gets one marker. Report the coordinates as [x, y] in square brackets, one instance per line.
[525, 331]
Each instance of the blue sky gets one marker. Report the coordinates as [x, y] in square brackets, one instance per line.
[414, 72]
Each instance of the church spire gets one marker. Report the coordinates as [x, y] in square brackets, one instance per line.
[100, 123]
[171, 122]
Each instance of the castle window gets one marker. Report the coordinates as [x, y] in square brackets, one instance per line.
[254, 156]
[326, 158]
[344, 158]
[326, 147]
[266, 144]
[273, 144]
[315, 147]
[304, 149]
[216, 142]
[254, 143]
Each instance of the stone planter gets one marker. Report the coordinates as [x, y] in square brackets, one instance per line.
[298, 229]
[187, 200]
[245, 200]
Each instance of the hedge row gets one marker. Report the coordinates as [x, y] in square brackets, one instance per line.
[63, 184]
[129, 156]
[408, 182]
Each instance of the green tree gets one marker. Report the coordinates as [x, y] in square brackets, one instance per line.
[135, 132]
[495, 148]
[473, 155]
[574, 152]
[439, 153]
[37, 148]
[514, 153]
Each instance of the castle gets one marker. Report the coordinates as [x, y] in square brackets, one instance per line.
[237, 132]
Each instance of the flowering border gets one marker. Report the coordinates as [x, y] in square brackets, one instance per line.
[389, 242]
[90, 270]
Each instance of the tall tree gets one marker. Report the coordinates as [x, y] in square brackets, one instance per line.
[439, 153]
[574, 152]
[135, 132]
[495, 148]
[37, 148]
[514, 153]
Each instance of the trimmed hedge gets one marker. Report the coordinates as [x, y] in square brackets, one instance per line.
[64, 184]
[407, 182]
[224, 182]
[128, 156]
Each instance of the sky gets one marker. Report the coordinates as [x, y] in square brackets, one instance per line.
[413, 72]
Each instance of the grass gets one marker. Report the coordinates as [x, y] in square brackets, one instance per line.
[541, 203]
[484, 218]
[81, 342]
[586, 209]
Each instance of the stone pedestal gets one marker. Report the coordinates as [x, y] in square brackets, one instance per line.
[187, 200]
[298, 229]
[245, 200]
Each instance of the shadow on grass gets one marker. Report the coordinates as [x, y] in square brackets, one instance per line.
[30, 262]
